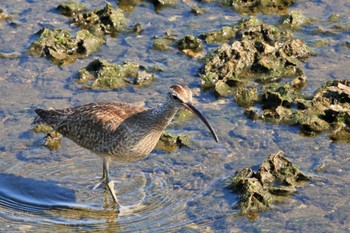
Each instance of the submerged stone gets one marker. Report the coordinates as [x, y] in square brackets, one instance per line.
[61, 48]
[138, 29]
[197, 10]
[128, 5]
[9, 55]
[258, 190]
[165, 41]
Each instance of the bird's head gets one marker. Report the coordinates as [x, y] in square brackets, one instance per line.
[181, 96]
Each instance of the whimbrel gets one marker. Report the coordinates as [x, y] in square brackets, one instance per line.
[120, 131]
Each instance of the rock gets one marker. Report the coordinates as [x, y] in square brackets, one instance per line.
[61, 48]
[258, 190]
[100, 74]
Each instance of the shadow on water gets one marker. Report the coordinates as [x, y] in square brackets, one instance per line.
[46, 202]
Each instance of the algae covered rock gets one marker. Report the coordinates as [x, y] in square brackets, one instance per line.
[169, 143]
[165, 41]
[159, 4]
[191, 46]
[103, 21]
[53, 139]
[328, 110]
[264, 6]
[71, 8]
[221, 36]
[100, 74]
[227, 63]
[62, 48]
[246, 96]
[295, 19]
[258, 190]
[261, 51]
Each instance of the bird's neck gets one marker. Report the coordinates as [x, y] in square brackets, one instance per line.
[163, 114]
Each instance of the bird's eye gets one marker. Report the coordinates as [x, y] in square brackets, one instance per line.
[175, 97]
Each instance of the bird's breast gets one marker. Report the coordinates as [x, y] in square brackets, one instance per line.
[129, 147]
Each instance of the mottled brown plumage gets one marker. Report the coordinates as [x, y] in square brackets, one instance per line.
[119, 131]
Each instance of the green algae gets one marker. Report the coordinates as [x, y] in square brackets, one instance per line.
[258, 190]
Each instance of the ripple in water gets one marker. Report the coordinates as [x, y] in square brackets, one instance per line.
[156, 194]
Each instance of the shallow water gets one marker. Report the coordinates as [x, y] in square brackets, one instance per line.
[182, 191]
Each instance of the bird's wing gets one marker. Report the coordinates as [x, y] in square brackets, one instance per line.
[96, 117]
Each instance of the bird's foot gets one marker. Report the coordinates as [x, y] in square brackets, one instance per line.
[99, 184]
[110, 186]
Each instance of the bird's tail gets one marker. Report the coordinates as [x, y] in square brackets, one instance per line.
[50, 117]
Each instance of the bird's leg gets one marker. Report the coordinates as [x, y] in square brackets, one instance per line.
[104, 174]
[103, 179]
[109, 183]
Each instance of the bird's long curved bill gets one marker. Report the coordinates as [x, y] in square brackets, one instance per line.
[200, 116]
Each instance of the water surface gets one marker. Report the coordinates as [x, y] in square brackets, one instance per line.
[182, 191]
